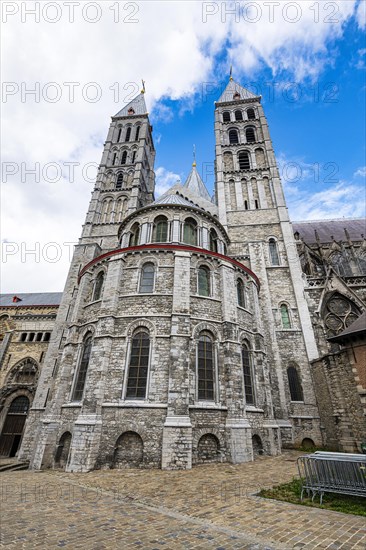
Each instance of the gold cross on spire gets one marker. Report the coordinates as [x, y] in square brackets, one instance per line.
[231, 72]
[143, 86]
[194, 156]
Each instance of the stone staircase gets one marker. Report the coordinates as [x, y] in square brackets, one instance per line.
[12, 465]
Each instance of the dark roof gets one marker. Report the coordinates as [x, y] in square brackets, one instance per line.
[327, 229]
[358, 328]
[31, 299]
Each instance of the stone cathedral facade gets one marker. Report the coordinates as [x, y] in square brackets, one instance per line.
[186, 329]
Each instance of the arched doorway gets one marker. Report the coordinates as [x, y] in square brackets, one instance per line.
[12, 431]
[257, 446]
[63, 450]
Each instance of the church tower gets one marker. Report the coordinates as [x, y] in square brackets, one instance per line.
[252, 208]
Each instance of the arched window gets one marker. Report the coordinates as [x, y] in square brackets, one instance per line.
[294, 384]
[119, 182]
[238, 115]
[147, 278]
[285, 316]
[135, 235]
[139, 365]
[213, 240]
[124, 157]
[240, 289]
[273, 252]
[82, 370]
[114, 158]
[205, 367]
[128, 134]
[119, 134]
[190, 231]
[250, 114]
[137, 135]
[204, 281]
[133, 157]
[250, 135]
[233, 136]
[226, 117]
[106, 210]
[160, 230]
[98, 287]
[244, 162]
[19, 405]
[120, 209]
[247, 375]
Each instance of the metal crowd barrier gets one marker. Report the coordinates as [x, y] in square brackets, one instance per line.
[324, 472]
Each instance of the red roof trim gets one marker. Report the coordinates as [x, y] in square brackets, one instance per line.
[170, 247]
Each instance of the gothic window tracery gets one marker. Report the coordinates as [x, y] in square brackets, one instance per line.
[340, 263]
[339, 314]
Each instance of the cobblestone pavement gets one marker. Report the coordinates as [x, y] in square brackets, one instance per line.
[209, 507]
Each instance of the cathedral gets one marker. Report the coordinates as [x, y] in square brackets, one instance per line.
[191, 328]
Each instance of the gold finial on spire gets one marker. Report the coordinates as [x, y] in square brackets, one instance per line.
[143, 86]
[231, 72]
[194, 156]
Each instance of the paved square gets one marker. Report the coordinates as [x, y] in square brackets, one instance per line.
[209, 507]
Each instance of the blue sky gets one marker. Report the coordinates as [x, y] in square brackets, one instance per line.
[180, 48]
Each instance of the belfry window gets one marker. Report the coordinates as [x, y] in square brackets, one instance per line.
[244, 162]
[250, 135]
[119, 182]
[226, 116]
[205, 367]
[190, 231]
[133, 157]
[233, 136]
[247, 375]
[238, 115]
[124, 157]
[119, 134]
[128, 134]
[294, 384]
[240, 289]
[139, 365]
[204, 281]
[135, 235]
[160, 230]
[137, 135]
[147, 278]
[285, 316]
[273, 252]
[250, 114]
[213, 240]
[82, 370]
[98, 287]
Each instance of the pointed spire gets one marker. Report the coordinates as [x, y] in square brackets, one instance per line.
[194, 156]
[234, 92]
[143, 87]
[135, 107]
[195, 184]
[231, 73]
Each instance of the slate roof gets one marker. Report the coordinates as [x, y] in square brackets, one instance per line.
[137, 104]
[231, 88]
[196, 185]
[358, 328]
[328, 228]
[31, 299]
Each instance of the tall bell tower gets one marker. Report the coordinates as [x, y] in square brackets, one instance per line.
[252, 208]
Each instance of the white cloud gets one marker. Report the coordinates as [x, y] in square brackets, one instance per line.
[170, 46]
[164, 180]
[361, 14]
[361, 172]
